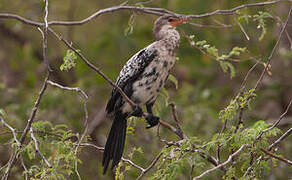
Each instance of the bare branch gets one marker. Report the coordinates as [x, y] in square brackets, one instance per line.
[242, 29]
[286, 134]
[84, 96]
[178, 126]
[45, 35]
[14, 155]
[36, 145]
[21, 19]
[133, 164]
[24, 167]
[96, 69]
[150, 166]
[223, 164]
[233, 10]
[171, 128]
[275, 123]
[77, 89]
[287, 161]
[11, 129]
[147, 10]
[210, 26]
[143, 171]
[273, 50]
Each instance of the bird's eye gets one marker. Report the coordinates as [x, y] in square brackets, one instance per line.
[171, 20]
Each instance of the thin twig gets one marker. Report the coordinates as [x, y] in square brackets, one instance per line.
[147, 10]
[77, 89]
[150, 166]
[275, 123]
[11, 129]
[191, 172]
[242, 29]
[210, 26]
[84, 97]
[45, 35]
[171, 128]
[178, 126]
[24, 167]
[133, 164]
[36, 145]
[287, 161]
[14, 155]
[273, 50]
[223, 164]
[286, 134]
[96, 69]
[143, 171]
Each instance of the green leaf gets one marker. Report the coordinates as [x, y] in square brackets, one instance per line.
[227, 65]
[131, 23]
[69, 60]
[173, 79]
[2, 113]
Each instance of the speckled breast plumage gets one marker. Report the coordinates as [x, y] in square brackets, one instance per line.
[147, 87]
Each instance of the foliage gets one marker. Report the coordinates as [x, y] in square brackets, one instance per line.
[223, 58]
[56, 143]
[260, 18]
[69, 60]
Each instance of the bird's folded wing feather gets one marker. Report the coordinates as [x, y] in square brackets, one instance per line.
[131, 71]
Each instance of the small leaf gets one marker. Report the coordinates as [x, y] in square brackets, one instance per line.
[69, 60]
[173, 79]
[131, 23]
[2, 113]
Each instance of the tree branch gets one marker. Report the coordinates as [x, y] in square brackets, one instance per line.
[286, 134]
[223, 164]
[36, 145]
[146, 10]
[273, 50]
[287, 161]
[275, 123]
[14, 155]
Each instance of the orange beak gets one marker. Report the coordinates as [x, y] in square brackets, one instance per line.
[179, 21]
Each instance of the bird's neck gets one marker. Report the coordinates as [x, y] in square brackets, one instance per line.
[171, 40]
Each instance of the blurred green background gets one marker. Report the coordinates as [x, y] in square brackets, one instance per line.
[204, 89]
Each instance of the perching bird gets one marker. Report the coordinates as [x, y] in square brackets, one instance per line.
[141, 80]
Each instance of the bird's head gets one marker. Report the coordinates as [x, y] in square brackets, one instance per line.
[166, 23]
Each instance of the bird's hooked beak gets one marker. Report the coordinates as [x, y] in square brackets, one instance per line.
[178, 21]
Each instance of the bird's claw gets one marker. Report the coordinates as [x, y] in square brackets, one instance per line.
[138, 112]
[152, 120]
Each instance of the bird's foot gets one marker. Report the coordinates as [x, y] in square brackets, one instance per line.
[152, 120]
[138, 112]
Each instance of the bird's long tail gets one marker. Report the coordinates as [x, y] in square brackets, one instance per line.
[115, 142]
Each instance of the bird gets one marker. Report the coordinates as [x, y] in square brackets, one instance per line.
[141, 79]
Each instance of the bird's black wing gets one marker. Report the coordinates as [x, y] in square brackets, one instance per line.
[131, 71]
